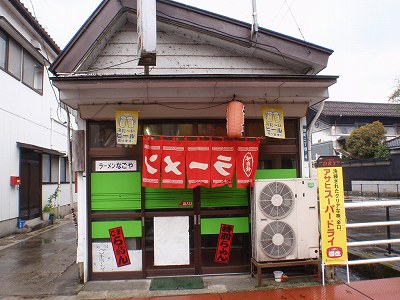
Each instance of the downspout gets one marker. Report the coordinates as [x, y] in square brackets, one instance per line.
[309, 136]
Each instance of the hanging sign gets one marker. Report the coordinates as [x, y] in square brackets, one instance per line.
[198, 157]
[332, 211]
[119, 246]
[173, 164]
[225, 237]
[246, 162]
[273, 121]
[152, 150]
[222, 163]
[126, 124]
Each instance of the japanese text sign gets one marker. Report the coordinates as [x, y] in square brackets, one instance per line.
[246, 162]
[115, 165]
[152, 150]
[273, 121]
[222, 163]
[126, 125]
[225, 237]
[332, 211]
[173, 164]
[198, 157]
[119, 246]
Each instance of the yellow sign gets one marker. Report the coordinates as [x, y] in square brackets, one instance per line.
[126, 124]
[332, 214]
[273, 122]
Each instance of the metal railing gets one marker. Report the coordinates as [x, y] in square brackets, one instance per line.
[388, 223]
[389, 190]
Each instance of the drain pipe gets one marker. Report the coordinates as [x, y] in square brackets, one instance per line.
[309, 137]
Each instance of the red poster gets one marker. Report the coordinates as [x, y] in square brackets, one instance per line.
[119, 246]
[173, 164]
[223, 252]
[152, 150]
[222, 163]
[246, 162]
[198, 157]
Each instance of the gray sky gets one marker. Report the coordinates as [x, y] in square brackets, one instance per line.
[363, 34]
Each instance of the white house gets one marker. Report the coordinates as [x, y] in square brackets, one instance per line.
[32, 124]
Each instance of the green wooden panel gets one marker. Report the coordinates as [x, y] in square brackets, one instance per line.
[116, 191]
[213, 225]
[168, 198]
[224, 197]
[276, 174]
[131, 228]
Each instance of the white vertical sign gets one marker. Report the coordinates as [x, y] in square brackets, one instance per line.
[147, 32]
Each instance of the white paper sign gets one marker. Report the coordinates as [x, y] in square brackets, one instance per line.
[104, 259]
[115, 165]
[171, 241]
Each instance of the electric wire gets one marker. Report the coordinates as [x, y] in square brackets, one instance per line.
[298, 27]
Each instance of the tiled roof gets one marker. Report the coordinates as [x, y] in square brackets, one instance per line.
[338, 108]
[393, 143]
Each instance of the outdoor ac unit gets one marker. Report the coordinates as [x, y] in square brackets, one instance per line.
[285, 219]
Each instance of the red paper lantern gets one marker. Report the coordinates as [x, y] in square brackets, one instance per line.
[235, 119]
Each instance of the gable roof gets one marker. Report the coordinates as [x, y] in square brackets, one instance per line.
[32, 21]
[299, 56]
[358, 109]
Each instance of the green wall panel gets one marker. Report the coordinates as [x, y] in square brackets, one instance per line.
[131, 228]
[213, 225]
[116, 191]
[276, 174]
[168, 198]
[224, 197]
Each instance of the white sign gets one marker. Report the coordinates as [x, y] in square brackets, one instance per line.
[147, 32]
[115, 165]
[171, 241]
[104, 259]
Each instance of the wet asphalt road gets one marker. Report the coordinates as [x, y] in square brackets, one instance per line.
[42, 265]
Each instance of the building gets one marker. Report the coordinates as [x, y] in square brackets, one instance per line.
[203, 60]
[34, 136]
[338, 119]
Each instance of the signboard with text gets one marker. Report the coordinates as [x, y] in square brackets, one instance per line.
[225, 237]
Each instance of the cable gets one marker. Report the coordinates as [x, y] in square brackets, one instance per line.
[298, 27]
[182, 108]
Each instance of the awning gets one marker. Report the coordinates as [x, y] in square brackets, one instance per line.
[40, 149]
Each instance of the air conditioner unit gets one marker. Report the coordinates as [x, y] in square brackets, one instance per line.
[285, 219]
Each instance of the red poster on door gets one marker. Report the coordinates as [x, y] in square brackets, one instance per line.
[119, 246]
[222, 163]
[223, 252]
[198, 155]
[152, 151]
[173, 164]
[246, 162]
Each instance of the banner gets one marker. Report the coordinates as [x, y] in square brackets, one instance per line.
[332, 211]
[273, 121]
[173, 164]
[222, 163]
[152, 150]
[225, 237]
[119, 246]
[198, 157]
[126, 125]
[246, 162]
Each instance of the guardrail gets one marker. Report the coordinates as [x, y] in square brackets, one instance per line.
[389, 190]
[387, 223]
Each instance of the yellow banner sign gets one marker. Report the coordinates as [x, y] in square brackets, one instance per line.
[332, 214]
[126, 124]
[273, 121]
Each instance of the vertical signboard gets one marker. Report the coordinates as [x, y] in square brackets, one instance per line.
[273, 121]
[119, 246]
[126, 124]
[332, 211]
[225, 237]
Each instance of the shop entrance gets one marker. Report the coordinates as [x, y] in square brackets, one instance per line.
[183, 240]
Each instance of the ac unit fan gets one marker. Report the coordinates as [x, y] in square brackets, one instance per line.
[276, 200]
[277, 239]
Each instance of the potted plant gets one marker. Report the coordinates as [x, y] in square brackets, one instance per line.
[49, 210]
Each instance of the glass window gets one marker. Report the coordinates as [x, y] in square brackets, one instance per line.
[63, 162]
[32, 72]
[15, 59]
[54, 169]
[212, 129]
[45, 168]
[3, 49]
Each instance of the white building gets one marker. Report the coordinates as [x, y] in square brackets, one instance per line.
[32, 124]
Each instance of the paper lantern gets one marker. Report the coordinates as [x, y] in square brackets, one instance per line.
[235, 119]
